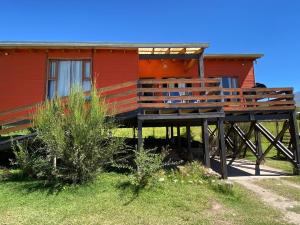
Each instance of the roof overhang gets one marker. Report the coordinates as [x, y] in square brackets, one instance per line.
[233, 56]
[159, 47]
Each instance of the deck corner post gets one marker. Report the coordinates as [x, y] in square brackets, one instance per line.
[222, 148]
[205, 139]
[295, 140]
[258, 150]
[140, 135]
[188, 137]
[178, 138]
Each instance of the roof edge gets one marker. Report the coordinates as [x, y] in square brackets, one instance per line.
[234, 56]
[28, 44]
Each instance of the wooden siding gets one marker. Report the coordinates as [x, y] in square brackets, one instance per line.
[241, 69]
[22, 78]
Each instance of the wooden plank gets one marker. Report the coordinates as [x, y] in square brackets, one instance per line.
[15, 128]
[117, 86]
[188, 89]
[179, 81]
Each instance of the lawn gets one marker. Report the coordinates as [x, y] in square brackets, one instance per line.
[105, 202]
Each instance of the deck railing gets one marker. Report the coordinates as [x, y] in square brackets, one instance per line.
[197, 93]
[169, 94]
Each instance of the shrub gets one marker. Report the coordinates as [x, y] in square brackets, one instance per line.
[146, 163]
[75, 139]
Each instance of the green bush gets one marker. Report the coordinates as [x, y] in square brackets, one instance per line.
[74, 140]
[146, 163]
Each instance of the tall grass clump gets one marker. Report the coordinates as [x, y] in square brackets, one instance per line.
[75, 139]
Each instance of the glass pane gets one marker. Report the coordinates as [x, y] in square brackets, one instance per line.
[76, 73]
[87, 69]
[51, 89]
[226, 82]
[86, 85]
[52, 69]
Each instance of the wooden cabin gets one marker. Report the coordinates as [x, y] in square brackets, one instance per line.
[151, 84]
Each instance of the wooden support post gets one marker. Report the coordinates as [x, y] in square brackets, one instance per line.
[133, 130]
[222, 148]
[188, 137]
[205, 139]
[295, 140]
[172, 133]
[140, 135]
[258, 150]
[178, 138]
[167, 133]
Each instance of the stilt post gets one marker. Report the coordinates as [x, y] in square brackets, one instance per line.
[295, 140]
[258, 150]
[205, 139]
[222, 148]
[140, 134]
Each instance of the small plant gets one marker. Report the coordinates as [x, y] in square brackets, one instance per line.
[74, 140]
[145, 165]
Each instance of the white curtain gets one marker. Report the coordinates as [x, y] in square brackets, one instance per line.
[76, 73]
[64, 77]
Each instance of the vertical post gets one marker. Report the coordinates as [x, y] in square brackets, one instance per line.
[295, 140]
[188, 137]
[140, 134]
[172, 133]
[133, 130]
[258, 150]
[178, 138]
[201, 66]
[167, 133]
[205, 139]
[222, 148]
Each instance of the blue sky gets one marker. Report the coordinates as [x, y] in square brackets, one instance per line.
[271, 27]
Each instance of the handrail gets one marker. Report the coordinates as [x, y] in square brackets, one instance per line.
[156, 93]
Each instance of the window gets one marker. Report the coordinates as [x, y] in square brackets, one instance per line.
[65, 74]
[229, 82]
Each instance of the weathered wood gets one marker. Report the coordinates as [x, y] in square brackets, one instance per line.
[205, 140]
[258, 150]
[178, 138]
[222, 148]
[295, 141]
[140, 135]
[273, 142]
[188, 137]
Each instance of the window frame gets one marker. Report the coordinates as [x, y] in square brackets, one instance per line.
[55, 77]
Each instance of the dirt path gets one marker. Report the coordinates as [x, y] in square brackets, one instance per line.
[274, 199]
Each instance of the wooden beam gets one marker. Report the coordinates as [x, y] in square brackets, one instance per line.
[140, 135]
[295, 140]
[258, 150]
[188, 137]
[222, 148]
[168, 56]
[201, 65]
[178, 138]
[205, 139]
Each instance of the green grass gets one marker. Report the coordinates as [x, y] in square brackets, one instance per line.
[104, 202]
[281, 188]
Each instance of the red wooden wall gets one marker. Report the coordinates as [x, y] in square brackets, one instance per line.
[23, 73]
[241, 69]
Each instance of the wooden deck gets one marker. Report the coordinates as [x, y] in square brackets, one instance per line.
[195, 97]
